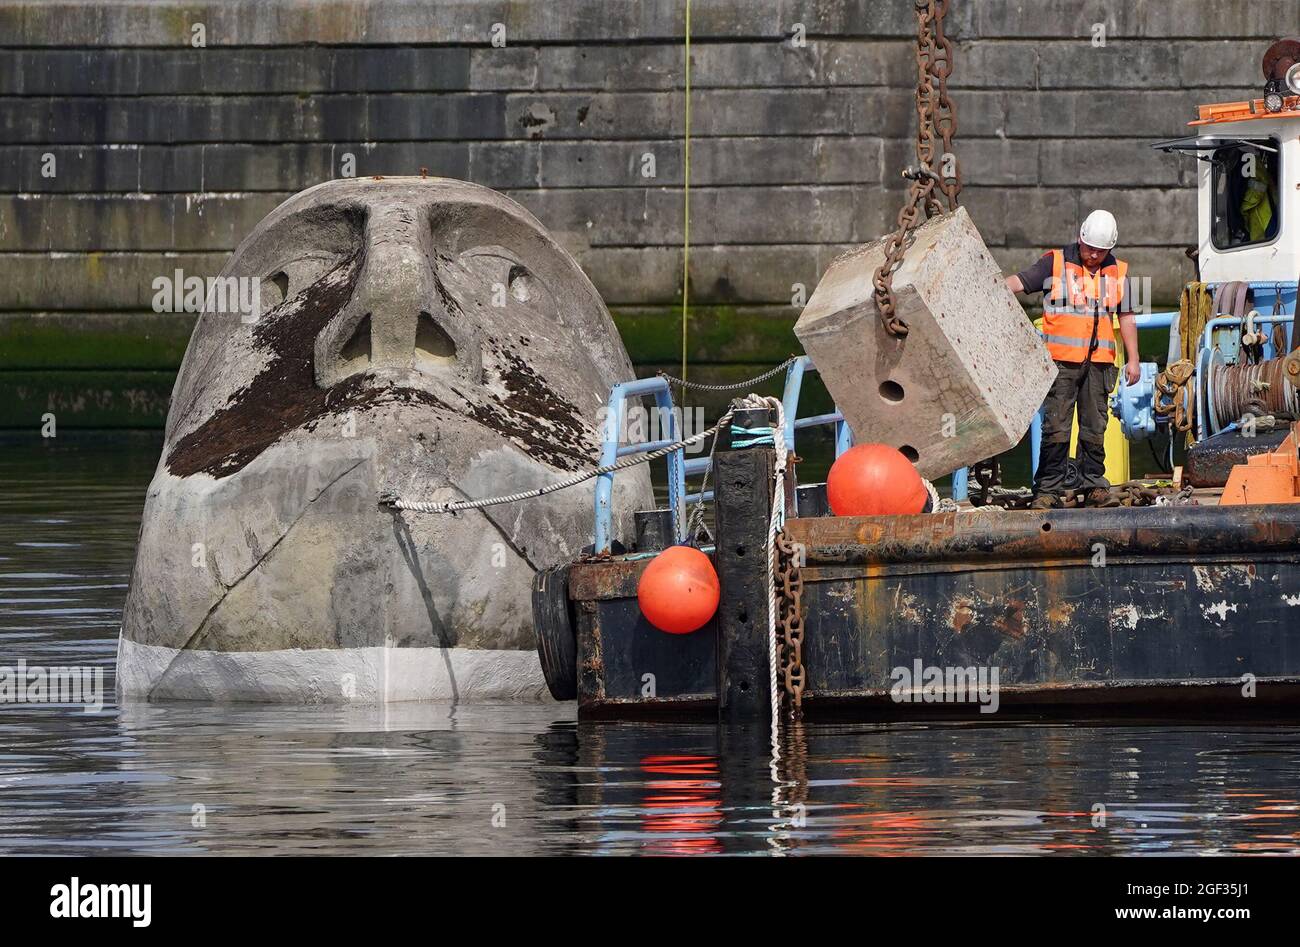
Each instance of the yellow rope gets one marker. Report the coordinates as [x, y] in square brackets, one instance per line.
[686, 193]
[1195, 307]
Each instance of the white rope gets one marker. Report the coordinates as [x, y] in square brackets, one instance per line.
[934, 495]
[388, 498]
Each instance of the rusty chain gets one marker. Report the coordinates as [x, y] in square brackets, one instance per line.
[934, 111]
[789, 595]
[945, 116]
[1129, 493]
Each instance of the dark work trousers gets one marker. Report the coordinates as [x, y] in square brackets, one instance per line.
[1086, 385]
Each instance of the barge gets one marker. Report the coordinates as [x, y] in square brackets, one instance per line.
[1182, 601]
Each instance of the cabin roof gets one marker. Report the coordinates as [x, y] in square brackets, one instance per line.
[1250, 111]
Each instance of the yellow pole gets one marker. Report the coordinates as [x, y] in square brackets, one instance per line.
[686, 193]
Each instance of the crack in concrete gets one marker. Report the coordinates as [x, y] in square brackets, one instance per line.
[249, 571]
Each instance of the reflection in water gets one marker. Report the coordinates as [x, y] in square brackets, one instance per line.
[682, 813]
[511, 779]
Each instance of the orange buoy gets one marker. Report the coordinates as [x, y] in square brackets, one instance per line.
[678, 591]
[874, 480]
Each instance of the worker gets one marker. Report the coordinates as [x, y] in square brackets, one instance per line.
[1257, 203]
[1083, 285]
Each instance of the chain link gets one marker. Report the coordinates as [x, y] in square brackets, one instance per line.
[734, 386]
[934, 111]
[945, 117]
[789, 579]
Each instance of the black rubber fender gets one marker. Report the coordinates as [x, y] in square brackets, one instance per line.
[556, 631]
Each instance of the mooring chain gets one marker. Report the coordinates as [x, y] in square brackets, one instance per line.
[736, 386]
[934, 59]
[790, 597]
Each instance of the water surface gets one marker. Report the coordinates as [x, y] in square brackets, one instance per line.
[438, 779]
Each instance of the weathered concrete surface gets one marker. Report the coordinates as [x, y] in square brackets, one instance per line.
[421, 335]
[970, 374]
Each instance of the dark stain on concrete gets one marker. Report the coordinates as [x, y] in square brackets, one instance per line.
[284, 396]
[562, 443]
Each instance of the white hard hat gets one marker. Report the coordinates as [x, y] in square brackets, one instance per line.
[1100, 230]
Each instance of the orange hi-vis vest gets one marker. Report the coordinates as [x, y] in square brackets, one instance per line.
[1078, 304]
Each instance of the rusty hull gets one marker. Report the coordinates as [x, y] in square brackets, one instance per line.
[1135, 611]
[624, 662]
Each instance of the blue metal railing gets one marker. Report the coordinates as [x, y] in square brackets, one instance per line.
[615, 420]
[679, 468]
[790, 404]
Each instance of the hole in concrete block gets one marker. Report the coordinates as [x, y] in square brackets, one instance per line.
[908, 451]
[891, 391]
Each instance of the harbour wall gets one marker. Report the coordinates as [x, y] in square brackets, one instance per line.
[138, 138]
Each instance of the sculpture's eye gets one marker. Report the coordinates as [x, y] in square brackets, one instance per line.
[520, 282]
[275, 289]
[290, 277]
[503, 279]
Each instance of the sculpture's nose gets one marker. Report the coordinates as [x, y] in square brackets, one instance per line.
[396, 318]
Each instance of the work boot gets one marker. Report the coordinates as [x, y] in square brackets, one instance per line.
[1100, 496]
[1045, 501]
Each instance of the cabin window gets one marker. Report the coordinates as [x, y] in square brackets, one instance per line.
[1245, 196]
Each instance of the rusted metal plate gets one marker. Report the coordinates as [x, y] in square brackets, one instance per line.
[610, 577]
[622, 658]
[598, 579]
[956, 541]
[1063, 625]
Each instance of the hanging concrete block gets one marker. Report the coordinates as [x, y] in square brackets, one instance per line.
[969, 376]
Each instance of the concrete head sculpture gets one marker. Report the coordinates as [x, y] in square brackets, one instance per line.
[420, 335]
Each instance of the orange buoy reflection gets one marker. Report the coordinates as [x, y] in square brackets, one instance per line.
[687, 806]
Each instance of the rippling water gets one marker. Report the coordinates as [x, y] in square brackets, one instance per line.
[436, 779]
